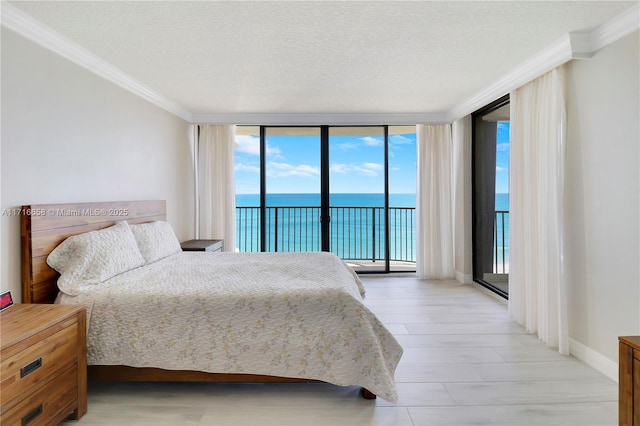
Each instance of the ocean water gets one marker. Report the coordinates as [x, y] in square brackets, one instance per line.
[356, 227]
[363, 200]
[501, 235]
[336, 200]
[502, 201]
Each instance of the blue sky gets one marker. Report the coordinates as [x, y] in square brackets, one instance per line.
[356, 164]
[502, 157]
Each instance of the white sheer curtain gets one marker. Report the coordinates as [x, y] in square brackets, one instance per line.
[193, 146]
[217, 205]
[434, 202]
[537, 292]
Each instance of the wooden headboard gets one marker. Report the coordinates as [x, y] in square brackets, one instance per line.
[44, 226]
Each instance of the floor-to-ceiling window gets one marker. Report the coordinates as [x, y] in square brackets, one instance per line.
[358, 196]
[292, 189]
[491, 136]
[402, 197]
[345, 189]
[247, 177]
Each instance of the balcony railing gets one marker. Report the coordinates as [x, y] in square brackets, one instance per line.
[501, 242]
[356, 233]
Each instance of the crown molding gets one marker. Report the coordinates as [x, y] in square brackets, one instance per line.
[23, 24]
[576, 45]
[300, 119]
[571, 46]
[546, 60]
[580, 45]
[615, 29]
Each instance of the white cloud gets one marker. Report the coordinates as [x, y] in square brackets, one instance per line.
[340, 168]
[249, 144]
[241, 167]
[365, 169]
[371, 141]
[273, 151]
[501, 169]
[400, 140]
[503, 146]
[373, 166]
[284, 170]
[347, 146]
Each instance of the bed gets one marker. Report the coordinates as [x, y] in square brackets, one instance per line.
[222, 317]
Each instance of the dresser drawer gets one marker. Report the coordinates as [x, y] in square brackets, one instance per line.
[51, 404]
[37, 364]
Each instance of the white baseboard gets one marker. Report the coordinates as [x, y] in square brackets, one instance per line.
[464, 278]
[594, 359]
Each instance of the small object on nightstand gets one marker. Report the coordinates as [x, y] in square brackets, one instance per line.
[202, 245]
[6, 301]
[44, 364]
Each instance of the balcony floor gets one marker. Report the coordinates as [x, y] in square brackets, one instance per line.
[378, 266]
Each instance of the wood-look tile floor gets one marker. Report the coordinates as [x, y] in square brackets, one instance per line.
[465, 363]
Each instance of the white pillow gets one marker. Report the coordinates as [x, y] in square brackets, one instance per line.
[94, 257]
[156, 240]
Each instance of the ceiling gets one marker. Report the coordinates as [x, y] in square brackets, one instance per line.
[221, 57]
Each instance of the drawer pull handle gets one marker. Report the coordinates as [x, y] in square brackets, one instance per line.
[31, 367]
[32, 415]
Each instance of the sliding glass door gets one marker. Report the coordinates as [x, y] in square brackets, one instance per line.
[358, 196]
[491, 136]
[247, 176]
[326, 188]
[292, 189]
[402, 197]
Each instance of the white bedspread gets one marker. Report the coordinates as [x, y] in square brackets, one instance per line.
[279, 314]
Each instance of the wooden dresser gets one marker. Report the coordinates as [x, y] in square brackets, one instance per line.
[43, 364]
[629, 381]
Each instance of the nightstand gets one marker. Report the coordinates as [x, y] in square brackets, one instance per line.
[202, 245]
[629, 380]
[43, 364]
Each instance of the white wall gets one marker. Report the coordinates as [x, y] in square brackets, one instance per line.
[603, 198]
[71, 136]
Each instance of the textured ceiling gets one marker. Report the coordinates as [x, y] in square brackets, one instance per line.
[318, 56]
